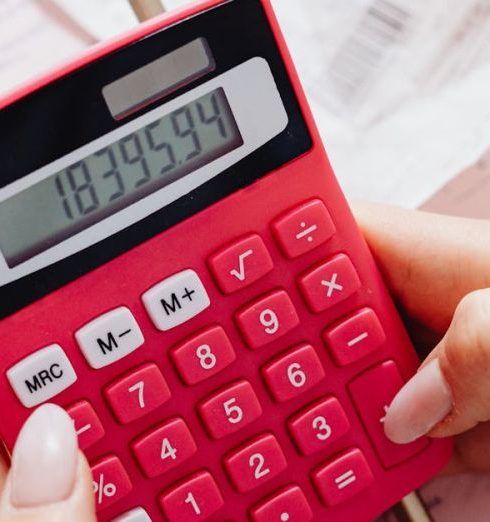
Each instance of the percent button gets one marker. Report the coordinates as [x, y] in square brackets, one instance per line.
[110, 482]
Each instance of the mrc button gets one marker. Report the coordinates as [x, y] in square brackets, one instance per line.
[110, 337]
[175, 300]
[41, 376]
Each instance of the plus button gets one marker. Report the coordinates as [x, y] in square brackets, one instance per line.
[188, 294]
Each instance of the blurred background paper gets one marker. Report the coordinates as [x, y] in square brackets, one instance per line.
[399, 89]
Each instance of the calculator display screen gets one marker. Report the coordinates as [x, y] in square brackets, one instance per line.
[108, 180]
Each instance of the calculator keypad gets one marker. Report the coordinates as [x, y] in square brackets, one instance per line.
[289, 505]
[196, 498]
[257, 347]
[137, 394]
[87, 424]
[230, 410]
[203, 355]
[164, 448]
[255, 463]
[267, 319]
[293, 373]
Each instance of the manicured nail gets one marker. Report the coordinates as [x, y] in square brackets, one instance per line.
[44, 461]
[419, 406]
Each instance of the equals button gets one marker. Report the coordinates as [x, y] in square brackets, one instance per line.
[110, 337]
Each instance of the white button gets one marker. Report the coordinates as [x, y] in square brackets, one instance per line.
[135, 515]
[176, 300]
[110, 337]
[41, 376]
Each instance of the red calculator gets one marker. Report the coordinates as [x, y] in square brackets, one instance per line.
[180, 271]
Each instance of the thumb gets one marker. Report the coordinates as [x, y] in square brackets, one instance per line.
[450, 394]
[49, 480]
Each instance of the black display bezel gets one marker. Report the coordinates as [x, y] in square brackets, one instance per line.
[34, 130]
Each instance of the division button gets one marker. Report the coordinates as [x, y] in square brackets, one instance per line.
[41, 376]
[110, 337]
[175, 300]
[303, 228]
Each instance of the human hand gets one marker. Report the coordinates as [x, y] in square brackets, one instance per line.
[49, 480]
[438, 270]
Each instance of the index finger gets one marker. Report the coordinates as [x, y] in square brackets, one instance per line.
[430, 262]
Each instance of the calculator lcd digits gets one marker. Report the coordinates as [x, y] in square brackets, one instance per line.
[180, 271]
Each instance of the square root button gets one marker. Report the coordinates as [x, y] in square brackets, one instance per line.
[109, 338]
[41, 375]
[175, 300]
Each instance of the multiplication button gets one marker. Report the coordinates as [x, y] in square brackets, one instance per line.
[175, 300]
[110, 337]
[41, 376]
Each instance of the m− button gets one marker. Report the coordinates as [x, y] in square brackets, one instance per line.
[110, 337]
[41, 376]
[175, 300]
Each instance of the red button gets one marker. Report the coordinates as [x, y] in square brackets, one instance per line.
[267, 319]
[330, 283]
[110, 481]
[293, 373]
[195, 499]
[255, 463]
[303, 228]
[203, 355]
[355, 338]
[319, 425]
[372, 393]
[230, 409]
[290, 505]
[138, 393]
[87, 424]
[241, 264]
[164, 448]
[343, 478]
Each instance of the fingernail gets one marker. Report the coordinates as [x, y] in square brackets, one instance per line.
[44, 460]
[421, 404]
